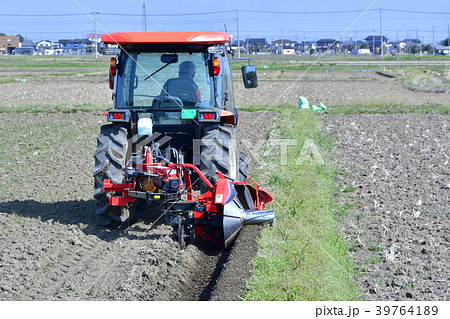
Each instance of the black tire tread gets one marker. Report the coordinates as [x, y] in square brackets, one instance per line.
[210, 159]
[110, 159]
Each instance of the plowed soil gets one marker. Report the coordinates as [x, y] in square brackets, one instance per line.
[395, 177]
[51, 246]
[398, 174]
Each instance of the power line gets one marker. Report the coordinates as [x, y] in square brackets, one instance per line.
[41, 15]
[224, 11]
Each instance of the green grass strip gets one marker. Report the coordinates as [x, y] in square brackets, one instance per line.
[63, 108]
[370, 108]
[303, 256]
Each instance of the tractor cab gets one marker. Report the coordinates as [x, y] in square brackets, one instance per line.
[180, 80]
[173, 70]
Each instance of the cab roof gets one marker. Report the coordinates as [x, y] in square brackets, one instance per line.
[125, 38]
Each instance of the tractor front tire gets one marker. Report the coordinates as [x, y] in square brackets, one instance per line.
[111, 156]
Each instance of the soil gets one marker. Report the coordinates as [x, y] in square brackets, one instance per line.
[275, 88]
[51, 246]
[53, 250]
[396, 180]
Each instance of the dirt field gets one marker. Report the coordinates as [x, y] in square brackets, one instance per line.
[395, 171]
[275, 88]
[52, 250]
[51, 247]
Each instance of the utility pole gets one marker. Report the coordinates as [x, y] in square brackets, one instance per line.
[433, 40]
[448, 39]
[381, 35]
[238, 40]
[304, 40]
[144, 18]
[95, 33]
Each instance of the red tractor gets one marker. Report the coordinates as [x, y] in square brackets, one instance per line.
[171, 148]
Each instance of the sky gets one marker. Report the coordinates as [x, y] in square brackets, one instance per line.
[296, 20]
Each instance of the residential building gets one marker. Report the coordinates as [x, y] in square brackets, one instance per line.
[442, 49]
[374, 42]
[66, 42]
[43, 45]
[74, 49]
[24, 51]
[399, 46]
[9, 43]
[284, 46]
[28, 43]
[328, 45]
[255, 45]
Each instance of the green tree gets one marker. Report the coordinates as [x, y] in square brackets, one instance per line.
[429, 48]
[446, 42]
[20, 37]
[2, 34]
[351, 47]
[364, 46]
[415, 49]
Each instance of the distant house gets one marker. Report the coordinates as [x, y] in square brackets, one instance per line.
[43, 45]
[286, 50]
[441, 49]
[284, 42]
[28, 43]
[24, 51]
[9, 43]
[361, 52]
[66, 42]
[73, 49]
[374, 42]
[328, 45]
[255, 45]
[284, 46]
[306, 46]
[350, 46]
[399, 46]
[412, 41]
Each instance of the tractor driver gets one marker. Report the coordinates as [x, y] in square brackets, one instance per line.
[184, 86]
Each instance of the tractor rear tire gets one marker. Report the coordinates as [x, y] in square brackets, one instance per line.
[219, 153]
[110, 159]
[244, 161]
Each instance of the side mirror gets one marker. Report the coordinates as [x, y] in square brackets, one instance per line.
[249, 76]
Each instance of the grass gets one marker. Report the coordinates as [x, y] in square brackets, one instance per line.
[63, 108]
[303, 256]
[385, 108]
[53, 62]
[345, 62]
[371, 108]
[6, 81]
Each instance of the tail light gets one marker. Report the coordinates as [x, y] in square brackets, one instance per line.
[216, 66]
[113, 66]
[208, 116]
[118, 116]
[112, 72]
